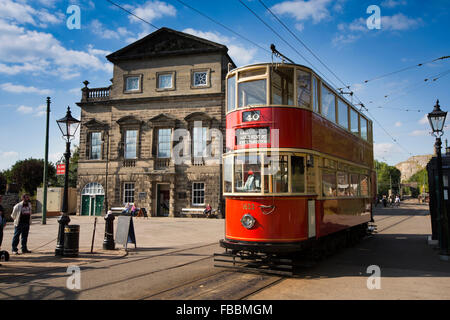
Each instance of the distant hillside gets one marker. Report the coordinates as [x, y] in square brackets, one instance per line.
[412, 165]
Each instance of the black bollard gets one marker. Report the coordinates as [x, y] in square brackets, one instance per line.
[108, 241]
[63, 222]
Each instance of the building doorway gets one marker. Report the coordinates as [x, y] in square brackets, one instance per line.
[162, 200]
[92, 198]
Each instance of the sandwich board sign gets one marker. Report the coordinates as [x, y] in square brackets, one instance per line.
[125, 231]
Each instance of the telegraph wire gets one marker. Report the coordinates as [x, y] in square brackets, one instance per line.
[131, 13]
[223, 26]
[279, 36]
[404, 69]
[299, 40]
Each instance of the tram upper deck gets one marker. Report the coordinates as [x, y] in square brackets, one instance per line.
[289, 106]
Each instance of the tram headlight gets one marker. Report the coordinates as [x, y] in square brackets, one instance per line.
[248, 221]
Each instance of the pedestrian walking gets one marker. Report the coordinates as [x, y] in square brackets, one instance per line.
[384, 201]
[22, 220]
[2, 221]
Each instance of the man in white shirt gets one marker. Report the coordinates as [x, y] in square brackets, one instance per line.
[22, 220]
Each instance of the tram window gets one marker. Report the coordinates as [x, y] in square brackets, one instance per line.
[354, 185]
[303, 89]
[316, 95]
[364, 183]
[329, 183]
[252, 93]
[369, 131]
[328, 104]
[283, 86]
[298, 174]
[247, 174]
[343, 187]
[343, 113]
[363, 122]
[354, 127]
[231, 95]
[252, 73]
[228, 174]
[280, 178]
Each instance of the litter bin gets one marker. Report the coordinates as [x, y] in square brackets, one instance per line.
[71, 240]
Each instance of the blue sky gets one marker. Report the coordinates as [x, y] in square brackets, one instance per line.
[40, 56]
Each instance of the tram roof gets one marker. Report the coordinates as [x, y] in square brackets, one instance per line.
[305, 67]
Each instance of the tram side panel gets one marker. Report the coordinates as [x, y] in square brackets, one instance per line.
[340, 213]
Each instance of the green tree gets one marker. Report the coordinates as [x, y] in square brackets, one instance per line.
[387, 177]
[3, 183]
[28, 174]
[421, 177]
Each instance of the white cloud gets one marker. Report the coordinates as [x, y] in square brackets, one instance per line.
[351, 32]
[25, 109]
[22, 13]
[241, 55]
[304, 10]
[417, 133]
[8, 154]
[399, 22]
[393, 3]
[37, 112]
[398, 124]
[99, 29]
[24, 50]
[151, 10]
[17, 88]
[424, 120]
[384, 149]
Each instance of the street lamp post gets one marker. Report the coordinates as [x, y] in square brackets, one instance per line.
[437, 120]
[68, 126]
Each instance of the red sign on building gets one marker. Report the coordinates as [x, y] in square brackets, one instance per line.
[60, 169]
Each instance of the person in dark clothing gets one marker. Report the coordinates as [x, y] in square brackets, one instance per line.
[22, 220]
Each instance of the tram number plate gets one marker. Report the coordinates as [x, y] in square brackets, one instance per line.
[252, 136]
[249, 206]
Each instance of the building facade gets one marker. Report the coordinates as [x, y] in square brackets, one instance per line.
[154, 136]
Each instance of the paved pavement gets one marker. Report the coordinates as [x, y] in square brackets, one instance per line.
[175, 252]
[409, 267]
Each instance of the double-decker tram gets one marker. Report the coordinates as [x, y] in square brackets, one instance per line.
[298, 171]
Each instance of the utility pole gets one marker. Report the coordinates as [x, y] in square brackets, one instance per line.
[44, 196]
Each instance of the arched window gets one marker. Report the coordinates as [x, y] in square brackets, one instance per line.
[93, 189]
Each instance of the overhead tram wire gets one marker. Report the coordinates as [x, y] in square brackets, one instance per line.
[346, 86]
[299, 40]
[131, 13]
[286, 42]
[404, 69]
[223, 26]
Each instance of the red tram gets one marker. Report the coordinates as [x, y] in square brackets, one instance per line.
[299, 161]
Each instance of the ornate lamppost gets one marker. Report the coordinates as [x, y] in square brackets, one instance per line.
[68, 126]
[437, 121]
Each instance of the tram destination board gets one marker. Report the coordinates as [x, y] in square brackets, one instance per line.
[252, 136]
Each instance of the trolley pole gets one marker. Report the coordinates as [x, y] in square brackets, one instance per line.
[45, 183]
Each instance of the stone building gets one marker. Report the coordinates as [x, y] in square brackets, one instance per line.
[165, 85]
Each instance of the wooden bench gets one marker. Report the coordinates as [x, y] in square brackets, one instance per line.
[196, 212]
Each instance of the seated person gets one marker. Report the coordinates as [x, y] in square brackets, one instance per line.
[208, 211]
[251, 184]
[133, 210]
[127, 208]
